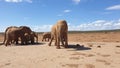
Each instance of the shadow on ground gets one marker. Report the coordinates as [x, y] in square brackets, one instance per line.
[35, 44]
[77, 47]
[1, 43]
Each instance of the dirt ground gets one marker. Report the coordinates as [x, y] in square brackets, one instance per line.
[95, 50]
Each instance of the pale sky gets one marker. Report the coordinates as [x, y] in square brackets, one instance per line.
[40, 15]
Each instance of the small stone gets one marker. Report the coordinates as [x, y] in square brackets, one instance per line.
[99, 46]
[77, 45]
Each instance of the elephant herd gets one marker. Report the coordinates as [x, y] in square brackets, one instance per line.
[24, 34]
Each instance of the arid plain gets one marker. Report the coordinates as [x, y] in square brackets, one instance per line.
[96, 50]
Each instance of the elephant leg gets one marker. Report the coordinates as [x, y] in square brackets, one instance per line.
[26, 42]
[58, 42]
[62, 41]
[37, 40]
[51, 41]
[42, 39]
[32, 40]
[22, 41]
[45, 39]
[48, 39]
[7, 42]
[16, 41]
[66, 40]
[11, 42]
[55, 42]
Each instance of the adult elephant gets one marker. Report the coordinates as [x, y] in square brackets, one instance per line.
[59, 33]
[27, 32]
[14, 34]
[7, 30]
[46, 35]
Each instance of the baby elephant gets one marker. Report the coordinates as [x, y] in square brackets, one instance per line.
[31, 37]
[46, 35]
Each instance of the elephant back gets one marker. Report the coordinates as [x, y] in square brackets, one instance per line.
[47, 34]
[62, 25]
[26, 29]
[10, 28]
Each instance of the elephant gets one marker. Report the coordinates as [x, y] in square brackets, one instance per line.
[22, 29]
[26, 38]
[7, 30]
[59, 33]
[14, 35]
[26, 29]
[31, 37]
[46, 35]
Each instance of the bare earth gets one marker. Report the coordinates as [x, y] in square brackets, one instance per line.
[95, 50]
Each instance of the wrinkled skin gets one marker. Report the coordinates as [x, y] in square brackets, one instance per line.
[46, 35]
[59, 33]
[23, 29]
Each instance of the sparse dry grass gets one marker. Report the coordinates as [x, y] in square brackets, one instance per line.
[87, 37]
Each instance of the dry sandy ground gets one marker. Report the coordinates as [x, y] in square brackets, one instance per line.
[43, 56]
[96, 50]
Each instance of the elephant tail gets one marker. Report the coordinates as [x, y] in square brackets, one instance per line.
[5, 35]
[3, 40]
